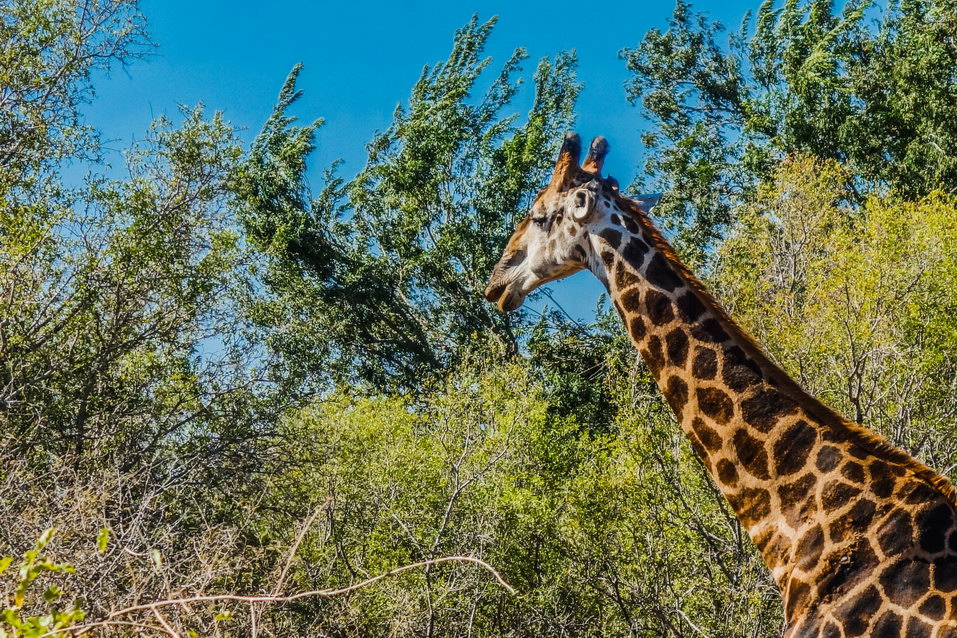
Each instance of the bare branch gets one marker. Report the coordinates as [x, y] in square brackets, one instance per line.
[112, 619]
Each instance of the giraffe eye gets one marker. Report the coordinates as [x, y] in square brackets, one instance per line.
[541, 222]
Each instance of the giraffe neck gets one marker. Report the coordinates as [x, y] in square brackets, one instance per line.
[811, 489]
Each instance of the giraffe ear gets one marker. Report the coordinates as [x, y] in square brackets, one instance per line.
[582, 204]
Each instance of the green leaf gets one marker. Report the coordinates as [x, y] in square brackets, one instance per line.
[52, 593]
[102, 539]
[45, 538]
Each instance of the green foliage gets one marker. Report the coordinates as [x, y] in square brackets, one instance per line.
[575, 364]
[803, 77]
[107, 305]
[14, 621]
[576, 520]
[379, 280]
[48, 51]
[102, 539]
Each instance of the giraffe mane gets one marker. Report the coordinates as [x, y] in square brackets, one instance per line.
[869, 440]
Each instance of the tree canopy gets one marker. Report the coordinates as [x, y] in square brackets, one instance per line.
[379, 279]
[867, 85]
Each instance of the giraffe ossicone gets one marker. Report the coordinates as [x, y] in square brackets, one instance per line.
[860, 537]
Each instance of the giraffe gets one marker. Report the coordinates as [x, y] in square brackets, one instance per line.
[860, 537]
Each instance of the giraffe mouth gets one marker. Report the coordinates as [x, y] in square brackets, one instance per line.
[505, 296]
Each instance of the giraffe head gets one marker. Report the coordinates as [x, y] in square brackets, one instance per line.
[552, 241]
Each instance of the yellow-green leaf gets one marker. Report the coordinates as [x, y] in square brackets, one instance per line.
[52, 593]
[102, 539]
[45, 538]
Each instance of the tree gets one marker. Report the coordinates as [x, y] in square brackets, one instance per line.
[593, 528]
[800, 78]
[48, 52]
[379, 280]
[118, 340]
[107, 307]
[127, 390]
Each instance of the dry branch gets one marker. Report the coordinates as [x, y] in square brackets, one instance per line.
[114, 617]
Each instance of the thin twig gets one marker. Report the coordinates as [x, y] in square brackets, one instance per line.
[169, 628]
[295, 546]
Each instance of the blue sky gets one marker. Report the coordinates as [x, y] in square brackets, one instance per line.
[361, 59]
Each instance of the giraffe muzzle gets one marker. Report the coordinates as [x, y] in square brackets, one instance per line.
[505, 296]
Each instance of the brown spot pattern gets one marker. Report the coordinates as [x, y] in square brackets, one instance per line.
[659, 308]
[690, 307]
[889, 625]
[933, 524]
[631, 300]
[625, 278]
[751, 454]
[706, 435]
[739, 372]
[634, 253]
[906, 581]
[836, 494]
[882, 479]
[917, 628]
[934, 607]
[853, 472]
[765, 407]
[945, 574]
[895, 534]
[660, 274]
[809, 548]
[709, 330]
[705, 364]
[700, 451]
[612, 236]
[637, 328]
[727, 473]
[716, 404]
[792, 449]
[797, 492]
[858, 612]
[653, 356]
[798, 596]
[630, 225]
[827, 458]
[676, 343]
[751, 504]
[854, 521]
[677, 394]
[775, 548]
